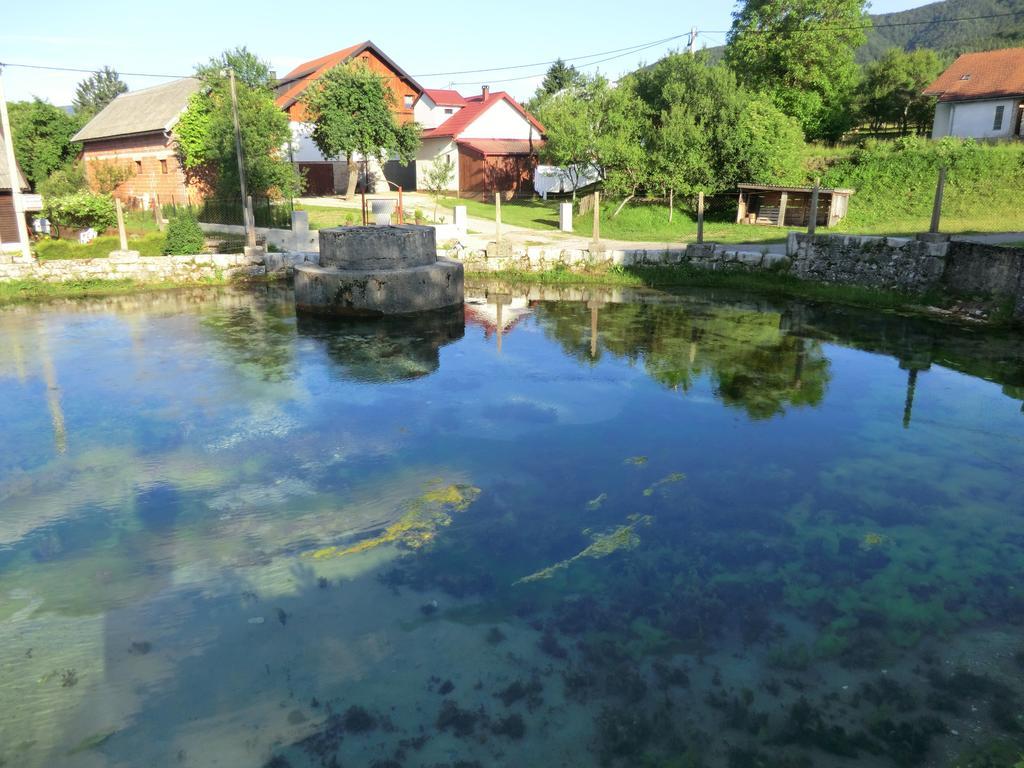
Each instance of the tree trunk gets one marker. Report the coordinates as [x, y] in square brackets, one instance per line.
[353, 177]
[623, 204]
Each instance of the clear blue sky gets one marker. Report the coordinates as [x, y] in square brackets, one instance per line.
[423, 37]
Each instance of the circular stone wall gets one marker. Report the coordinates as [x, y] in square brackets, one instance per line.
[372, 271]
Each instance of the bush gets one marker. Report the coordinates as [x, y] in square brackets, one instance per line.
[81, 210]
[184, 237]
[64, 181]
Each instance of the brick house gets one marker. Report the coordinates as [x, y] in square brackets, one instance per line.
[134, 132]
[327, 176]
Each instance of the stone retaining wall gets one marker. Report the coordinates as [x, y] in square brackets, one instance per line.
[887, 263]
[149, 269]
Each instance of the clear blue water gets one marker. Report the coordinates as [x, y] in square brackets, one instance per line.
[724, 531]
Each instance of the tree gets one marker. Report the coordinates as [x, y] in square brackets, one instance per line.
[97, 90]
[438, 178]
[205, 134]
[351, 109]
[571, 122]
[769, 145]
[42, 138]
[801, 53]
[560, 77]
[890, 92]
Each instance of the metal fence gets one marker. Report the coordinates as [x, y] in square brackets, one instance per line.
[227, 211]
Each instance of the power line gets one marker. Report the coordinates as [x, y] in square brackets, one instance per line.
[870, 26]
[88, 71]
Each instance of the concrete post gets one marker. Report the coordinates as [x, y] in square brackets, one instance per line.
[937, 208]
[497, 218]
[158, 214]
[565, 217]
[120, 224]
[597, 217]
[461, 218]
[250, 228]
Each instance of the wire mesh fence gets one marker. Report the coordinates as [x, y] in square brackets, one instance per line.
[228, 212]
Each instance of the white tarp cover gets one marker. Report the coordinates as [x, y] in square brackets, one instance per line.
[553, 178]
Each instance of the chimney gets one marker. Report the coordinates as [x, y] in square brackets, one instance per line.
[486, 91]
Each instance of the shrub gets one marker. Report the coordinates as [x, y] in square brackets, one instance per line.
[64, 181]
[184, 237]
[81, 210]
[110, 175]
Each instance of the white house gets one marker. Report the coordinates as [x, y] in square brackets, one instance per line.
[491, 140]
[981, 96]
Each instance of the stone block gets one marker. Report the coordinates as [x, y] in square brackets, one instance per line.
[124, 257]
[565, 217]
[371, 248]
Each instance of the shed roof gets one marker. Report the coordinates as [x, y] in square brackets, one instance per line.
[145, 111]
[988, 75]
[5, 176]
[292, 85]
[777, 188]
[476, 106]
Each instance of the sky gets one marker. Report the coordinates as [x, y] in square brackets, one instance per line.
[427, 39]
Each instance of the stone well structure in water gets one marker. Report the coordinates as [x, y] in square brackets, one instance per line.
[374, 271]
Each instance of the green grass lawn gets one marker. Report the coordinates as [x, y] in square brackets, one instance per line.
[532, 214]
[151, 244]
[324, 216]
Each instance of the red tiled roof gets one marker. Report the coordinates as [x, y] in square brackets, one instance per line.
[989, 75]
[502, 146]
[291, 86]
[476, 106]
[444, 98]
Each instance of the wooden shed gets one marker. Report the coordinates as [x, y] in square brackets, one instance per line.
[790, 206]
[487, 166]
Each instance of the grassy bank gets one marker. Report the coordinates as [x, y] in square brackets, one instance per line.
[151, 244]
[18, 291]
[765, 283]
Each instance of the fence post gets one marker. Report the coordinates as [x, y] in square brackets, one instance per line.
[597, 217]
[700, 217]
[937, 208]
[120, 224]
[158, 212]
[813, 223]
[497, 217]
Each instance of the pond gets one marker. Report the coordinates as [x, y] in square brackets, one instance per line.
[565, 527]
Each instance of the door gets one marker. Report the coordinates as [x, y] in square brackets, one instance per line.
[319, 178]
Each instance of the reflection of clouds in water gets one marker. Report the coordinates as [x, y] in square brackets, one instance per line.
[251, 495]
[266, 420]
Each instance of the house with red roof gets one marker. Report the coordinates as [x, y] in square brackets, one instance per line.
[981, 96]
[329, 175]
[490, 138]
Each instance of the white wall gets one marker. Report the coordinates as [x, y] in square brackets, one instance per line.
[974, 119]
[430, 150]
[303, 148]
[430, 115]
[501, 121]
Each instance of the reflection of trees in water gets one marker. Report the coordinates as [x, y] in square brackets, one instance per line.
[385, 349]
[752, 364]
[259, 335]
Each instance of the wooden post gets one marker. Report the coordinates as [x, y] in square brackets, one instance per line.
[497, 219]
[12, 169]
[158, 213]
[937, 208]
[783, 202]
[250, 236]
[813, 223]
[671, 207]
[700, 217]
[250, 231]
[120, 224]
[597, 217]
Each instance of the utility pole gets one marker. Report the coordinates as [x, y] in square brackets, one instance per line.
[12, 171]
[250, 233]
[693, 41]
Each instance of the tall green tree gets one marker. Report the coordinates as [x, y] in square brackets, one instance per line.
[352, 111]
[559, 77]
[802, 54]
[42, 138]
[205, 134]
[97, 90]
[890, 91]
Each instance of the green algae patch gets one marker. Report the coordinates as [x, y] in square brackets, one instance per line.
[596, 503]
[636, 461]
[419, 525]
[95, 741]
[622, 539]
[675, 477]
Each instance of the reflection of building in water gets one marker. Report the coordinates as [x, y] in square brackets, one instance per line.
[497, 313]
[21, 363]
[395, 348]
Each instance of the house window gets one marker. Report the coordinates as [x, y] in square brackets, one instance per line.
[138, 166]
[997, 124]
[163, 166]
[409, 101]
[449, 111]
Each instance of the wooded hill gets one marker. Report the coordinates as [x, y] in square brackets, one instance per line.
[930, 27]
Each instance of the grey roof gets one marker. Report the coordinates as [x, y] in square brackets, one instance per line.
[145, 111]
[5, 176]
[782, 188]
